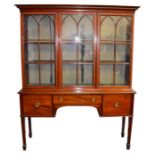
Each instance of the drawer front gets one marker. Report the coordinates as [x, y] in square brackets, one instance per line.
[77, 99]
[37, 105]
[116, 104]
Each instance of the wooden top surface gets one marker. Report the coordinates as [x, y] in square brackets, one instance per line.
[88, 91]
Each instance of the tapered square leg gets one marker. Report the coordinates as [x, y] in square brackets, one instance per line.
[23, 132]
[129, 132]
[30, 127]
[123, 127]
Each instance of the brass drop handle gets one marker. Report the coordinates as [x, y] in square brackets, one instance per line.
[116, 104]
[93, 99]
[37, 105]
[60, 99]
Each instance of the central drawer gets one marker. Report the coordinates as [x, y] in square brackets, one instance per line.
[77, 99]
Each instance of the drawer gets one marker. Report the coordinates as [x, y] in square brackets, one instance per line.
[37, 105]
[116, 104]
[77, 99]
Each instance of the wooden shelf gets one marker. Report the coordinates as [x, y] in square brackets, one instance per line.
[115, 42]
[40, 62]
[39, 41]
[80, 42]
[77, 62]
[115, 62]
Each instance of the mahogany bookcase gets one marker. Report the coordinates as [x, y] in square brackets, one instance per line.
[77, 55]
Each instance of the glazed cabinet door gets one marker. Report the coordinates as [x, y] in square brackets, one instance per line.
[39, 49]
[115, 48]
[77, 49]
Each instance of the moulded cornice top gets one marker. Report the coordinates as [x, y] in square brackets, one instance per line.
[75, 6]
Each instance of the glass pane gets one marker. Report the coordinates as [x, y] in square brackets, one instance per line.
[77, 27]
[123, 29]
[31, 52]
[69, 74]
[47, 52]
[32, 27]
[85, 74]
[107, 52]
[47, 74]
[107, 28]
[33, 74]
[39, 27]
[46, 27]
[69, 27]
[121, 74]
[69, 52]
[123, 53]
[85, 52]
[122, 24]
[86, 27]
[106, 74]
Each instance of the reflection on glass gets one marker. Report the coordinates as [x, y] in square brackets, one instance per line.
[123, 29]
[33, 74]
[69, 52]
[85, 51]
[121, 74]
[69, 74]
[107, 52]
[85, 74]
[123, 53]
[106, 74]
[46, 52]
[32, 50]
[47, 74]
[107, 28]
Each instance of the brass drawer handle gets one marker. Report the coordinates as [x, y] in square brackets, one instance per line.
[116, 104]
[93, 99]
[60, 99]
[37, 105]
